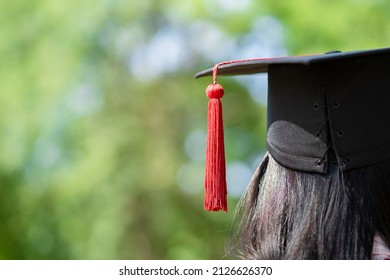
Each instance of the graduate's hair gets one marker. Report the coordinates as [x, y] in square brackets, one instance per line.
[286, 214]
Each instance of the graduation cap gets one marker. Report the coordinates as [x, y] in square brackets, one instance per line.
[331, 107]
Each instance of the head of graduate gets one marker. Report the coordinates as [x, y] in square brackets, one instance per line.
[322, 190]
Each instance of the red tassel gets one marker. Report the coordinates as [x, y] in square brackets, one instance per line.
[215, 175]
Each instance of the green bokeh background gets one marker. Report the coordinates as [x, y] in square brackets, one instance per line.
[102, 124]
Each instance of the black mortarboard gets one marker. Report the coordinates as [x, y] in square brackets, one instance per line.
[321, 108]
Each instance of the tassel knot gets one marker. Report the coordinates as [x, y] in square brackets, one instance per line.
[214, 91]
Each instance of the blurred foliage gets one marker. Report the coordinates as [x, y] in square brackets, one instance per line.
[98, 102]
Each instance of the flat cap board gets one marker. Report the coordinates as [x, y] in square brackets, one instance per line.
[260, 65]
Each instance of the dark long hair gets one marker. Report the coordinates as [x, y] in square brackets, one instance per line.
[287, 214]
